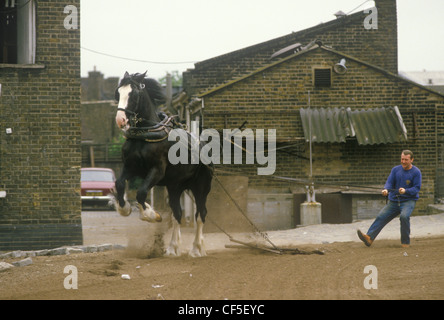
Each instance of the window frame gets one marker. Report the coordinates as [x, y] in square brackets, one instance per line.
[26, 38]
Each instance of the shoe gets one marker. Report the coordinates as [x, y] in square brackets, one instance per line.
[365, 238]
[405, 246]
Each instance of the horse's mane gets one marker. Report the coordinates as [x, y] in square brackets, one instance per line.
[155, 91]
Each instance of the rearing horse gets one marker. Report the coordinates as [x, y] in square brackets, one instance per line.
[147, 158]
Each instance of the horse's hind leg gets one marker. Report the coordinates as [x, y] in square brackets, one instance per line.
[200, 190]
[122, 206]
[198, 249]
[174, 200]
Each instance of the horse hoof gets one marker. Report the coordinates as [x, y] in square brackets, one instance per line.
[149, 215]
[172, 252]
[197, 252]
[157, 219]
[125, 211]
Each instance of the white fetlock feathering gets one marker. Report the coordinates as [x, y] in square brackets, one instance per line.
[149, 215]
[173, 249]
[198, 244]
[125, 211]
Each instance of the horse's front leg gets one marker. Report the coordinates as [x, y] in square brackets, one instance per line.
[122, 206]
[147, 213]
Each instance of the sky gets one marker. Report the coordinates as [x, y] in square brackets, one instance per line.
[171, 35]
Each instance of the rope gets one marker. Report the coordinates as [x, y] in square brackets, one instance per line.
[263, 234]
[305, 181]
[219, 227]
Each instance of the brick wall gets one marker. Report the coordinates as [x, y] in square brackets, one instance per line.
[348, 35]
[40, 161]
[271, 99]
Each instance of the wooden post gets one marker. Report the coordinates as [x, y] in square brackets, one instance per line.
[169, 94]
[91, 156]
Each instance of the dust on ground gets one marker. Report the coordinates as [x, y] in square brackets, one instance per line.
[229, 273]
[239, 274]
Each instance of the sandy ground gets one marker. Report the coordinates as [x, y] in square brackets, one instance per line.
[239, 273]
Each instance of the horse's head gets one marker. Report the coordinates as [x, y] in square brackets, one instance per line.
[135, 94]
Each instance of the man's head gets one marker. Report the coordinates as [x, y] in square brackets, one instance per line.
[407, 159]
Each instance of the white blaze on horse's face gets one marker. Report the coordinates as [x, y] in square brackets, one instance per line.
[121, 118]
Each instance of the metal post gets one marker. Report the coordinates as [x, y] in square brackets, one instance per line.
[169, 94]
[311, 211]
[310, 138]
[310, 189]
[91, 156]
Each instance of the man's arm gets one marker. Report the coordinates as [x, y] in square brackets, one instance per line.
[389, 184]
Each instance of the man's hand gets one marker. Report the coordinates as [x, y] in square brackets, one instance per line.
[385, 192]
[401, 190]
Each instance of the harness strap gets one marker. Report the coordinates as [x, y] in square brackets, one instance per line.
[157, 133]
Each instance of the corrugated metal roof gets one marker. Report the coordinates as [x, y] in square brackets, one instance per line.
[327, 125]
[375, 126]
[369, 126]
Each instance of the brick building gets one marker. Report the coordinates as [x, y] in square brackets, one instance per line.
[346, 34]
[40, 154]
[269, 84]
[98, 88]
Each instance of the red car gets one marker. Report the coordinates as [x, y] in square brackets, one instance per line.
[96, 186]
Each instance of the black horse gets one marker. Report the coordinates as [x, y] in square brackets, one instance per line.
[145, 155]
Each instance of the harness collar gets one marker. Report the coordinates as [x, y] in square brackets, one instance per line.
[156, 133]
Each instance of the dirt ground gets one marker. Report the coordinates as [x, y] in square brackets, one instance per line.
[240, 274]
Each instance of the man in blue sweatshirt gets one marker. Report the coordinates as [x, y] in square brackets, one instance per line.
[402, 188]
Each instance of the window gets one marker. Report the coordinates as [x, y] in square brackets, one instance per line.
[322, 77]
[97, 175]
[8, 32]
[17, 31]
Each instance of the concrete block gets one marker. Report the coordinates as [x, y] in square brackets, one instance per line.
[57, 252]
[91, 249]
[311, 213]
[29, 254]
[119, 247]
[23, 263]
[40, 253]
[104, 247]
[74, 250]
[17, 254]
[6, 255]
[5, 266]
